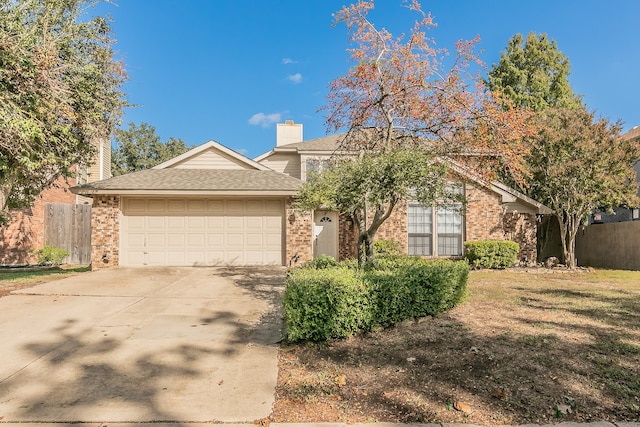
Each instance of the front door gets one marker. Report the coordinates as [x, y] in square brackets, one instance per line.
[325, 233]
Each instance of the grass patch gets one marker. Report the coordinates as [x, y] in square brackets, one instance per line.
[518, 346]
[26, 275]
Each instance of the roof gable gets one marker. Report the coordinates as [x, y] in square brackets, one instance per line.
[211, 155]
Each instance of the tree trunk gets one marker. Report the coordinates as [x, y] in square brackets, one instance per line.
[569, 224]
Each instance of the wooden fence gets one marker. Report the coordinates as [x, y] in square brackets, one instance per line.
[69, 227]
[615, 245]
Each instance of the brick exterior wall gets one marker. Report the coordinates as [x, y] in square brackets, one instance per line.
[486, 219]
[25, 229]
[483, 217]
[347, 238]
[105, 232]
[394, 228]
[299, 235]
[522, 228]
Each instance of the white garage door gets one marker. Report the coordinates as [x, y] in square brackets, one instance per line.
[187, 232]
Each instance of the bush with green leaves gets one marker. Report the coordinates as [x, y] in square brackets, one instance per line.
[412, 287]
[491, 253]
[325, 303]
[336, 302]
[50, 255]
[386, 247]
[321, 261]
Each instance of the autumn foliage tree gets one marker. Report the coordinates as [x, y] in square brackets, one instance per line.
[405, 93]
[60, 89]
[577, 162]
[581, 163]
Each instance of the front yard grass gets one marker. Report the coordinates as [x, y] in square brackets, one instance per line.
[525, 347]
[12, 279]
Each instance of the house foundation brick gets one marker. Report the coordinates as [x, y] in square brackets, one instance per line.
[105, 232]
[299, 235]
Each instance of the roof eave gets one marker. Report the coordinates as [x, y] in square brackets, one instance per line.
[228, 193]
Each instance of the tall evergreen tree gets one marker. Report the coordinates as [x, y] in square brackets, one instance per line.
[576, 162]
[533, 74]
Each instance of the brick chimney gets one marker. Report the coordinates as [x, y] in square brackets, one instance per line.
[288, 133]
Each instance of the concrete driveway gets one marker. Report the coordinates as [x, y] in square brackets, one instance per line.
[143, 344]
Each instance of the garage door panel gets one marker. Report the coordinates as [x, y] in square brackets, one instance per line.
[235, 222]
[234, 240]
[176, 206]
[156, 206]
[255, 222]
[236, 206]
[273, 239]
[196, 240]
[215, 206]
[254, 239]
[156, 223]
[185, 231]
[176, 223]
[175, 240]
[215, 222]
[135, 239]
[215, 240]
[156, 240]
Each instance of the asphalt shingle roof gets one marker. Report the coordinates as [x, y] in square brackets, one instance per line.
[327, 143]
[197, 180]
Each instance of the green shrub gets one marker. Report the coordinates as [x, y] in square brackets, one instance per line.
[322, 261]
[491, 253]
[325, 303]
[385, 247]
[414, 287]
[336, 302]
[50, 255]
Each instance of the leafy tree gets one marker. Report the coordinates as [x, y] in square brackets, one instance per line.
[400, 93]
[533, 74]
[403, 111]
[576, 163]
[581, 164]
[367, 188]
[60, 89]
[139, 148]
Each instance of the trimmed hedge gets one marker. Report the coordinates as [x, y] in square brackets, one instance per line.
[325, 303]
[491, 253]
[336, 302]
[416, 288]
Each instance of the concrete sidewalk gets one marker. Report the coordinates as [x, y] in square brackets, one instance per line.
[139, 345]
[164, 424]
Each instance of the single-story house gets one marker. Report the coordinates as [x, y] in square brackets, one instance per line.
[214, 206]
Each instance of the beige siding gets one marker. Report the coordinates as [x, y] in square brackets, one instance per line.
[211, 159]
[287, 163]
[106, 159]
[100, 167]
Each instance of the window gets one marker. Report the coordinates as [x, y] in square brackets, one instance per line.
[426, 222]
[420, 229]
[449, 231]
[315, 165]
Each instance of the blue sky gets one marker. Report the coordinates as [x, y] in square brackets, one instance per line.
[227, 70]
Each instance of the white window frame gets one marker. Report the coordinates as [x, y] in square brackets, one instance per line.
[321, 162]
